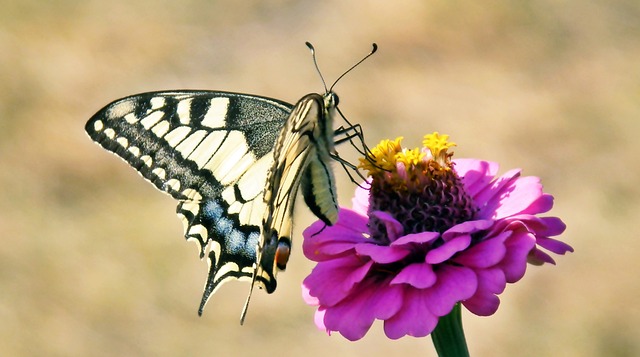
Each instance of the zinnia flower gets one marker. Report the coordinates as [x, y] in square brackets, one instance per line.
[427, 233]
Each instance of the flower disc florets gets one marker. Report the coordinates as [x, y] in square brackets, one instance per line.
[418, 187]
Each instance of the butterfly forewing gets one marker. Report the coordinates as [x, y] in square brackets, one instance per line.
[209, 150]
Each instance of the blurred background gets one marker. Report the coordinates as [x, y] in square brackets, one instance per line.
[92, 259]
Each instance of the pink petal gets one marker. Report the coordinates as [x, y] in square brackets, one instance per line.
[308, 299]
[360, 201]
[370, 300]
[467, 228]
[419, 314]
[516, 195]
[418, 275]
[332, 281]
[454, 284]
[484, 254]
[490, 283]
[414, 319]
[553, 245]
[540, 226]
[520, 195]
[542, 204]
[318, 319]
[327, 251]
[348, 223]
[538, 257]
[322, 243]
[489, 199]
[382, 254]
[475, 174]
[448, 249]
[415, 239]
[393, 227]
[553, 226]
[514, 263]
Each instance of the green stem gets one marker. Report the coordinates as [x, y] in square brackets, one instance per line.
[448, 336]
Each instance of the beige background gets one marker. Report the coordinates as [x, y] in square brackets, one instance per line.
[92, 259]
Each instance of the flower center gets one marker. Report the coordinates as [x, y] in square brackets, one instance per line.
[418, 187]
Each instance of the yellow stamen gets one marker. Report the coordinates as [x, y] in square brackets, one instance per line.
[438, 145]
[410, 157]
[388, 153]
[383, 156]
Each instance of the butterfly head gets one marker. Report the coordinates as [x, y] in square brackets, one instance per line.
[331, 100]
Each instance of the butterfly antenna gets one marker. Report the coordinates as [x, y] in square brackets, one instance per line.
[315, 62]
[373, 50]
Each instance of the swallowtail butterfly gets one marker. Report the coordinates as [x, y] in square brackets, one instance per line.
[234, 162]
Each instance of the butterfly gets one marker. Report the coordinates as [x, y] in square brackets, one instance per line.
[234, 162]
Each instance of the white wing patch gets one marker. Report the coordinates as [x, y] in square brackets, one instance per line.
[147, 160]
[197, 229]
[98, 125]
[187, 146]
[161, 128]
[207, 148]
[123, 142]
[160, 172]
[192, 207]
[175, 136]
[131, 118]
[217, 113]
[239, 168]
[229, 267]
[184, 111]
[173, 184]
[110, 133]
[247, 184]
[151, 119]
[121, 109]
[134, 150]
[227, 155]
[192, 195]
[157, 102]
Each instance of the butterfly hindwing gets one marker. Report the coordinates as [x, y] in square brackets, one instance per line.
[209, 150]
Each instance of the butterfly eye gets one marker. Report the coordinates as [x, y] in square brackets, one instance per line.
[282, 254]
[336, 100]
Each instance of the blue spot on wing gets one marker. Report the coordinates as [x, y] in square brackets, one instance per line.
[212, 209]
[252, 242]
[238, 239]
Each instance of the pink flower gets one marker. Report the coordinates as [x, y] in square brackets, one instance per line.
[429, 233]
